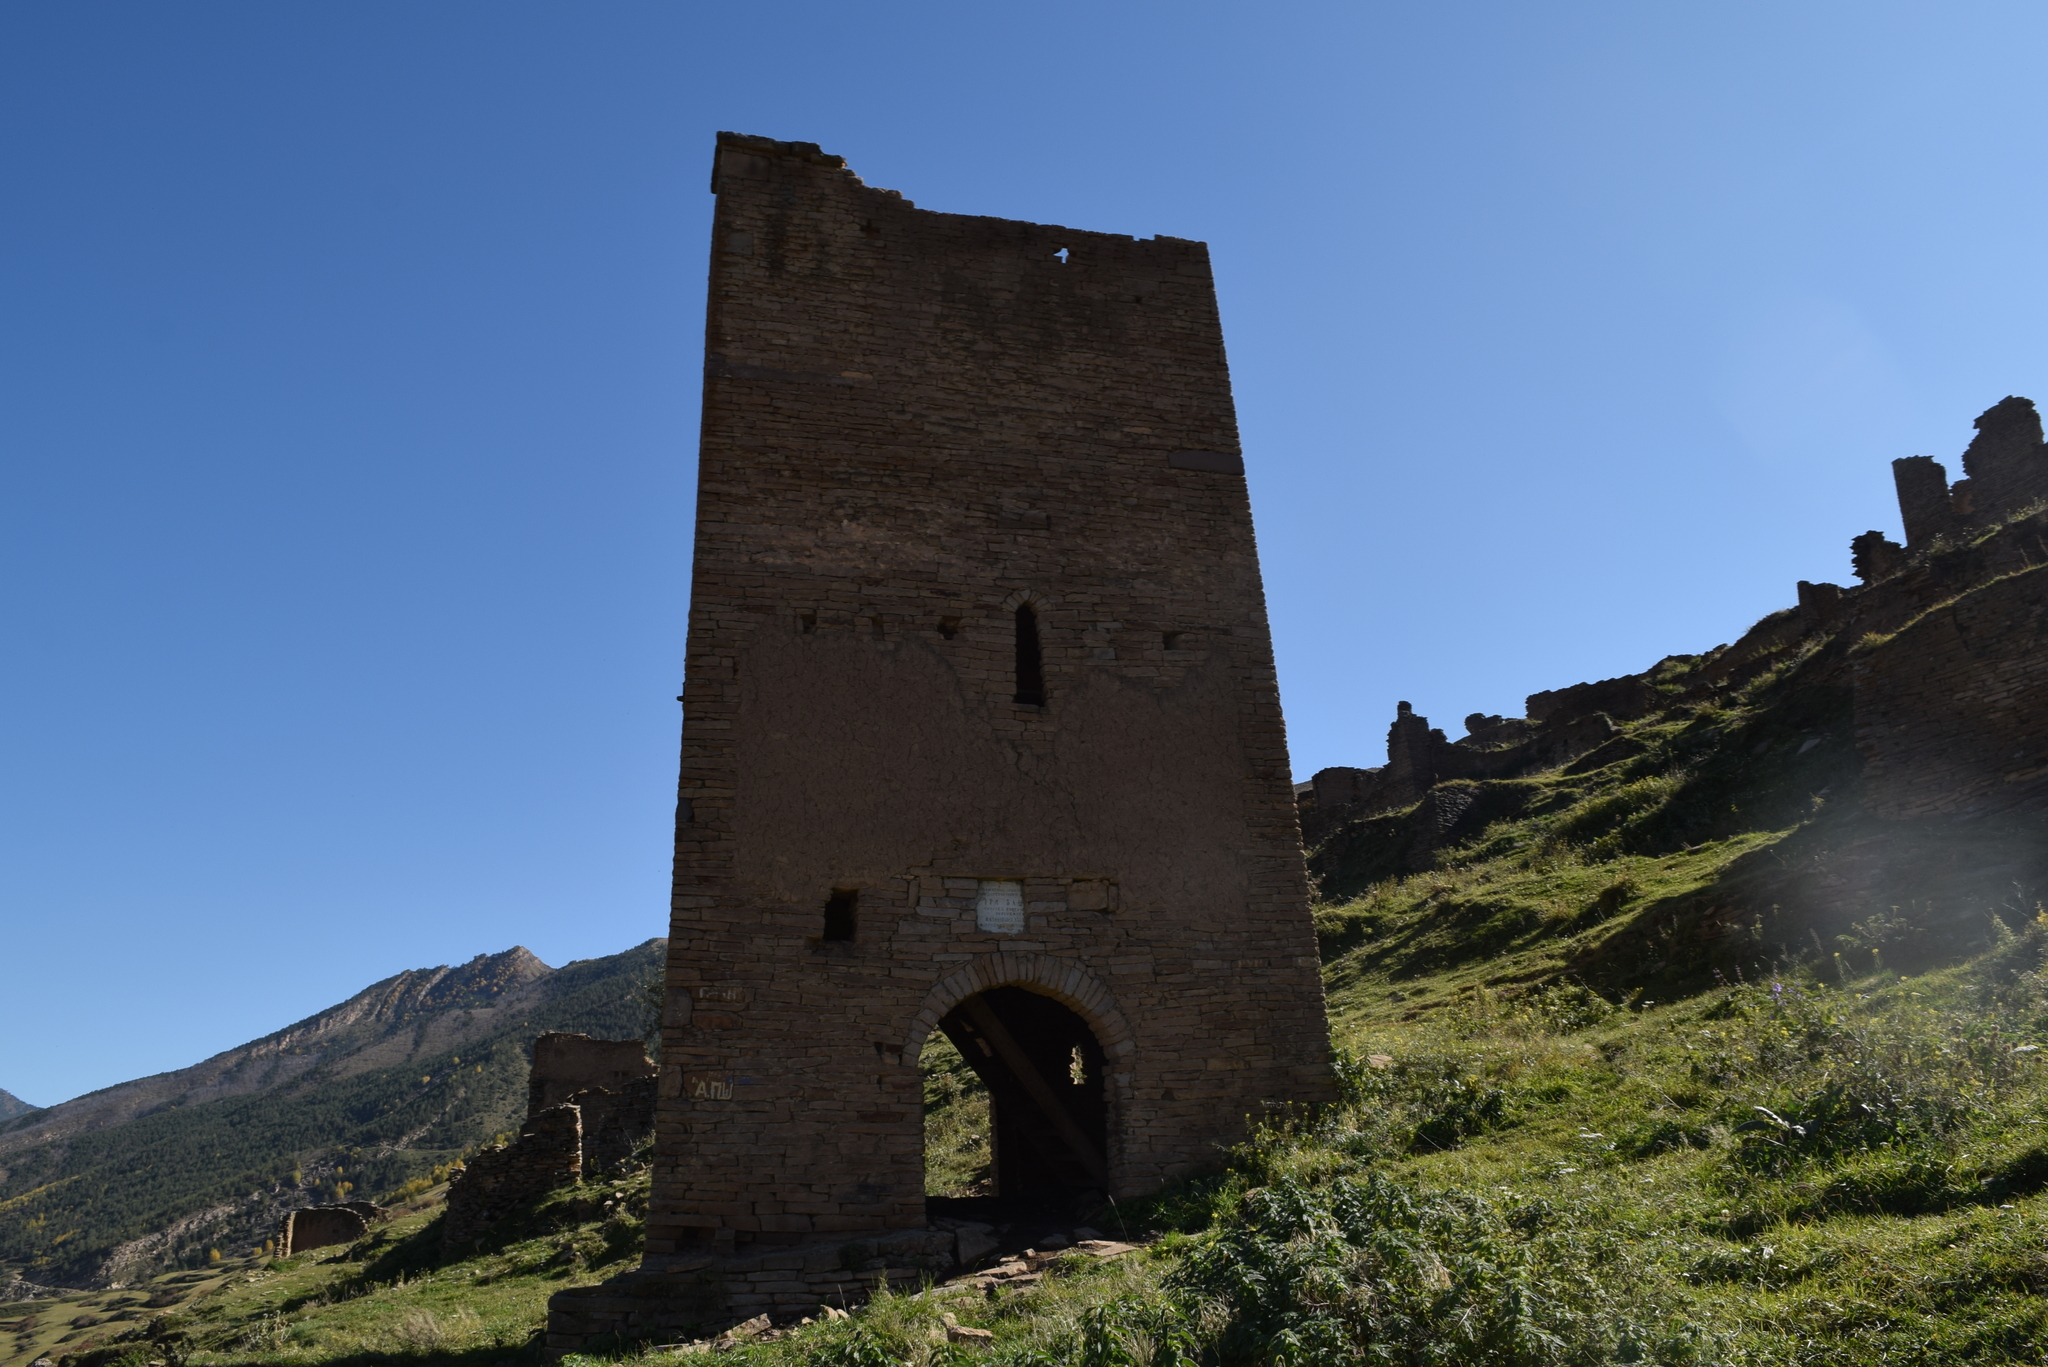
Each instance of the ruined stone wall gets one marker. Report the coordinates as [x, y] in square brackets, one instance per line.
[319, 1226]
[564, 1065]
[2005, 466]
[1952, 711]
[1624, 699]
[915, 424]
[781, 1281]
[2005, 469]
[1420, 757]
[1924, 509]
[547, 1154]
[1341, 786]
[615, 1122]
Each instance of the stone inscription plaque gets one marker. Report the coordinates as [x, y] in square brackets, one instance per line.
[999, 907]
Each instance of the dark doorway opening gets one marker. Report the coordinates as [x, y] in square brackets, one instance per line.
[1049, 1107]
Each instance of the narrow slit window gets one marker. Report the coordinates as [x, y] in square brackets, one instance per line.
[839, 913]
[1030, 663]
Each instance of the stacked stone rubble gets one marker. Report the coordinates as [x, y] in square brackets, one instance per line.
[496, 1182]
[615, 1122]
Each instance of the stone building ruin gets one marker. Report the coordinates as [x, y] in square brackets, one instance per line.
[310, 1227]
[2005, 470]
[565, 1065]
[589, 1105]
[1945, 656]
[981, 736]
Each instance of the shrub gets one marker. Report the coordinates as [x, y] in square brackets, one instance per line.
[1653, 1137]
[1403, 1106]
[1366, 1269]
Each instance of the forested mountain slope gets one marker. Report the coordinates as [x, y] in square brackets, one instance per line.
[356, 1100]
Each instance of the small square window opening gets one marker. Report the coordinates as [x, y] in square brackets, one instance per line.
[839, 914]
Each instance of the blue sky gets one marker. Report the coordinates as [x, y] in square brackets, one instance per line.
[348, 362]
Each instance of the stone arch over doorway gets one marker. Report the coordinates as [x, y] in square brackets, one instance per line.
[989, 1003]
[1065, 981]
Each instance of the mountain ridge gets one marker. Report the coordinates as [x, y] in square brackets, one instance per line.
[357, 1099]
[298, 1048]
[12, 1105]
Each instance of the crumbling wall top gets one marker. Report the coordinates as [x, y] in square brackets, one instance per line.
[564, 1065]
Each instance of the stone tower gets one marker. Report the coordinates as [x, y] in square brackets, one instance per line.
[981, 732]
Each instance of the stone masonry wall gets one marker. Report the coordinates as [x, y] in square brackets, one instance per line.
[318, 1227]
[2005, 470]
[547, 1154]
[1952, 711]
[693, 1297]
[914, 424]
[614, 1122]
[564, 1065]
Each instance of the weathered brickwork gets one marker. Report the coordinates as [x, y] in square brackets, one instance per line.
[1952, 712]
[915, 425]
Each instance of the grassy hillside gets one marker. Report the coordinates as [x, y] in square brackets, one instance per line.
[167, 1188]
[388, 1297]
[12, 1105]
[1834, 1167]
[1782, 1170]
[1670, 1056]
[1723, 833]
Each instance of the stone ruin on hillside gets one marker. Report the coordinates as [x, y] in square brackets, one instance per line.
[590, 1103]
[1949, 673]
[981, 737]
[312, 1227]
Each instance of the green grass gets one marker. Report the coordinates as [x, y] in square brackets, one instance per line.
[1611, 1092]
[959, 1151]
[1790, 1169]
[1785, 1170]
[389, 1297]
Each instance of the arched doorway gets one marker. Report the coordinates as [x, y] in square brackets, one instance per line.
[1048, 1103]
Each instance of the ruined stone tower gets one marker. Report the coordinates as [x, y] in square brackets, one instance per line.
[981, 731]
